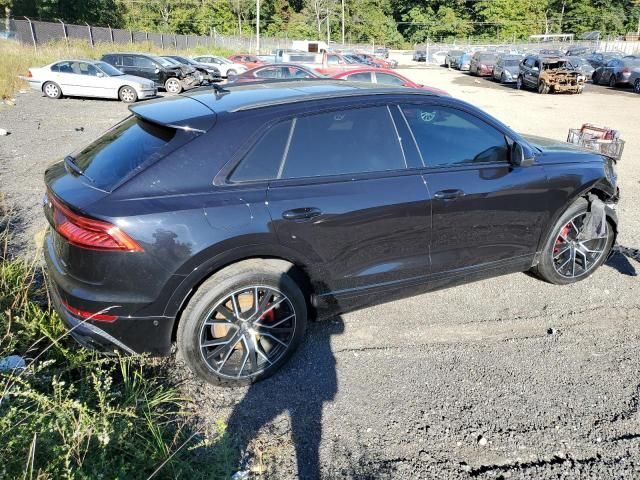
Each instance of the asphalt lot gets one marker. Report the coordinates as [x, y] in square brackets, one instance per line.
[509, 377]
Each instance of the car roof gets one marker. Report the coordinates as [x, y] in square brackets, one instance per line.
[234, 98]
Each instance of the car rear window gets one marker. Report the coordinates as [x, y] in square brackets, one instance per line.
[125, 148]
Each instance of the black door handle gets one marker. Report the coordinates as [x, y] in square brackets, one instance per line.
[301, 213]
[448, 194]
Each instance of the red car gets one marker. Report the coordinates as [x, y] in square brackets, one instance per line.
[380, 62]
[249, 61]
[384, 77]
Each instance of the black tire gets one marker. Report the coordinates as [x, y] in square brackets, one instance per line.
[503, 78]
[236, 278]
[546, 269]
[519, 83]
[127, 94]
[231, 73]
[52, 90]
[543, 88]
[636, 85]
[173, 85]
[612, 81]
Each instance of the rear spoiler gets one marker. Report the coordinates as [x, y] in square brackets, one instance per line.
[182, 112]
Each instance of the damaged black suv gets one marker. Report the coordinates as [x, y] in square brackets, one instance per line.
[224, 219]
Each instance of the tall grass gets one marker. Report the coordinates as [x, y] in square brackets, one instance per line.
[72, 414]
[16, 58]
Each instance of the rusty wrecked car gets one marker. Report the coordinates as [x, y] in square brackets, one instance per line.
[549, 75]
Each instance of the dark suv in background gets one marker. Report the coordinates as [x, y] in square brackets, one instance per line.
[165, 74]
[225, 218]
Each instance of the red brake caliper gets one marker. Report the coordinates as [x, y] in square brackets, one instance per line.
[270, 316]
[563, 233]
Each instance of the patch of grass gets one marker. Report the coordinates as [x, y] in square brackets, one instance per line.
[16, 58]
[73, 414]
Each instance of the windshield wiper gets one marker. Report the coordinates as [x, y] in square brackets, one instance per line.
[71, 163]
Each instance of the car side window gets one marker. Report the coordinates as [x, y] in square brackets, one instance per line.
[269, 72]
[127, 61]
[387, 79]
[265, 157]
[360, 77]
[343, 142]
[144, 62]
[446, 136]
[332, 60]
[88, 69]
[62, 67]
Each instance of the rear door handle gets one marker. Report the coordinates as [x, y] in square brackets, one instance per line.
[450, 194]
[301, 213]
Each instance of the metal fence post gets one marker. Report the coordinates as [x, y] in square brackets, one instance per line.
[146, 37]
[33, 33]
[90, 34]
[162, 41]
[64, 32]
[111, 34]
[175, 42]
[131, 35]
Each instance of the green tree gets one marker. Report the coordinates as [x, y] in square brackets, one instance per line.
[511, 18]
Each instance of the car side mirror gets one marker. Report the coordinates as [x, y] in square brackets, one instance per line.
[519, 157]
[157, 70]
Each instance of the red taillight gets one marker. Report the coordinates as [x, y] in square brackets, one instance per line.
[100, 317]
[626, 71]
[89, 233]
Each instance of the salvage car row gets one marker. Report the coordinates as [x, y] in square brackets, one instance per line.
[135, 76]
[546, 70]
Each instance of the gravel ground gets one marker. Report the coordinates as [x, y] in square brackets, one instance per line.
[509, 377]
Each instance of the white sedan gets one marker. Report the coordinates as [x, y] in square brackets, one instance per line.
[89, 78]
[226, 66]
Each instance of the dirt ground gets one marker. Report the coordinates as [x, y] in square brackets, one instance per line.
[510, 377]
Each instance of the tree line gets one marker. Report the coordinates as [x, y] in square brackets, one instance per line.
[391, 22]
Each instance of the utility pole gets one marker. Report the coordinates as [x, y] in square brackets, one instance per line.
[328, 31]
[258, 27]
[343, 24]
[638, 25]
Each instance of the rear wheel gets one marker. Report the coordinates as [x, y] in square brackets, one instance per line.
[570, 254]
[636, 86]
[52, 90]
[243, 323]
[231, 73]
[612, 81]
[543, 88]
[503, 79]
[173, 85]
[519, 84]
[128, 94]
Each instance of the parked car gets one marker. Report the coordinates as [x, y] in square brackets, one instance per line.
[226, 66]
[381, 52]
[279, 71]
[507, 68]
[452, 56]
[579, 51]
[267, 58]
[343, 196]
[162, 72]
[420, 56]
[355, 59]
[580, 64]
[482, 63]
[380, 62]
[463, 63]
[208, 73]
[599, 59]
[383, 76]
[249, 61]
[88, 78]
[616, 72]
[549, 75]
[437, 57]
[634, 79]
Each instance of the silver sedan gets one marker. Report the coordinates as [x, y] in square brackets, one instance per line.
[89, 78]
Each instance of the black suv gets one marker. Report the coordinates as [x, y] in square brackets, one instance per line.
[225, 218]
[207, 73]
[165, 74]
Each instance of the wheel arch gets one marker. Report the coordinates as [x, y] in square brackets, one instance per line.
[296, 267]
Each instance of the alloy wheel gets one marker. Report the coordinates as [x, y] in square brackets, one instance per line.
[172, 86]
[636, 86]
[51, 90]
[247, 331]
[127, 94]
[574, 252]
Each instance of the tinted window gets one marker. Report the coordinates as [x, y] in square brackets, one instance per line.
[128, 61]
[448, 137]
[342, 142]
[265, 157]
[62, 67]
[388, 79]
[360, 77]
[512, 62]
[271, 72]
[123, 149]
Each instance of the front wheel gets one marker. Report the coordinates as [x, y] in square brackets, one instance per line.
[570, 253]
[173, 85]
[612, 81]
[519, 84]
[636, 86]
[128, 94]
[543, 88]
[231, 73]
[243, 323]
[52, 90]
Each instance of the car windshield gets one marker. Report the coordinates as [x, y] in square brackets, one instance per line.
[165, 62]
[109, 70]
[488, 58]
[512, 62]
[224, 60]
[183, 60]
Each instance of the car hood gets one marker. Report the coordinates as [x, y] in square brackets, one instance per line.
[556, 150]
[138, 80]
[513, 70]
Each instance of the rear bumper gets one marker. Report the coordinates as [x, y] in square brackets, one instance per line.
[126, 334]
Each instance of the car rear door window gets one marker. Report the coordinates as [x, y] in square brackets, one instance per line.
[264, 160]
[447, 137]
[343, 142]
[388, 79]
[360, 77]
[144, 62]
